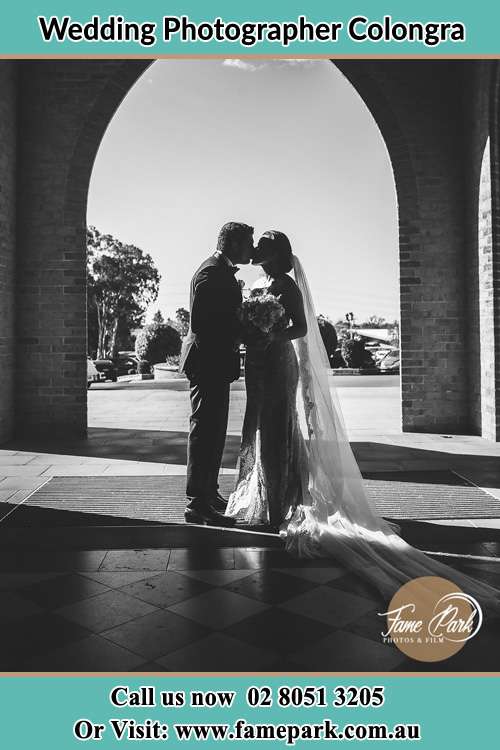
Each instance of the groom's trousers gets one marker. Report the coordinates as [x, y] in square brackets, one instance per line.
[207, 436]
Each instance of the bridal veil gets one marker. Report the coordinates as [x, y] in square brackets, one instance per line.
[336, 518]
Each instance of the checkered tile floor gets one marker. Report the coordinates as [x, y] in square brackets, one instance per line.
[201, 610]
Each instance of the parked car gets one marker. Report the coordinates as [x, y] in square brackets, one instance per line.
[390, 363]
[380, 352]
[126, 363]
[93, 374]
[107, 368]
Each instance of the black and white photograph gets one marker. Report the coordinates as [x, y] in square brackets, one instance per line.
[249, 365]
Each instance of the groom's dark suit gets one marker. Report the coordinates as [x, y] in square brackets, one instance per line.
[210, 359]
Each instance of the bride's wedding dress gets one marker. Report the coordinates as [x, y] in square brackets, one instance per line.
[297, 469]
[272, 453]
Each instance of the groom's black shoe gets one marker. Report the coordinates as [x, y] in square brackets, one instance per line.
[207, 516]
[218, 503]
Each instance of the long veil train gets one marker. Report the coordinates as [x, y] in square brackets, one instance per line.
[336, 518]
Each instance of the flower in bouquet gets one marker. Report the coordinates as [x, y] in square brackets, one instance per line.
[262, 311]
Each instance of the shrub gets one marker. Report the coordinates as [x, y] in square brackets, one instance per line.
[355, 354]
[337, 359]
[156, 342]
[143, 367]
[173, 360]
[329, 336]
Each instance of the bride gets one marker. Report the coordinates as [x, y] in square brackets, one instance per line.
[297, 472]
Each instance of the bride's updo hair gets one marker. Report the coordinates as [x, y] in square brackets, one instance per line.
[274, 251]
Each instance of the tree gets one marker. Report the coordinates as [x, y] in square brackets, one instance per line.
[375, 321]
[182, 319]
[131, 316]
[342, 329]
[395, 333]
[156, 342]
[122, 282]
[158, 317]
[329, 335]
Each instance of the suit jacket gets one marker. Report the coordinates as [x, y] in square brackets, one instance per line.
[210, 350]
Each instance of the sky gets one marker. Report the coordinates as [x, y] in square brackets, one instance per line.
[277, 144]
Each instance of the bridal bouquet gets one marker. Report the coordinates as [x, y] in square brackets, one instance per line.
[262, 311]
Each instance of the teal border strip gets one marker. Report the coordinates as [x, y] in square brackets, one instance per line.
[20, 32]
[453, 712]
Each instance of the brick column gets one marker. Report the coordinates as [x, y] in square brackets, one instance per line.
[7, 244]
[418, 106]
[51, 305]
[65, 107]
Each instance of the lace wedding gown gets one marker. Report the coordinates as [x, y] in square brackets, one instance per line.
[297, 469]
[272, 453]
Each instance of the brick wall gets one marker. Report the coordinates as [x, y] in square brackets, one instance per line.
[476, 127]
[479, 257]
[65, 107]
[418, 107]
[7, 244]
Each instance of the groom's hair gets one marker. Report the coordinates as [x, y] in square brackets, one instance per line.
[233, 230]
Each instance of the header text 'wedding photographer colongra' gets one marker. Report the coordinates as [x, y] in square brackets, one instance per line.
[250, 35]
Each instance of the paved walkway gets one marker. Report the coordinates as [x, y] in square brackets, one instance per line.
[140, 428]
[147, 607]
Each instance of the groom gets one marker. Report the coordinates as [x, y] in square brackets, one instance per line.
[211, 361]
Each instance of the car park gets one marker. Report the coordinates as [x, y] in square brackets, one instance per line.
[126, 363]
[107, 368]
[390, 363]
[93, 374]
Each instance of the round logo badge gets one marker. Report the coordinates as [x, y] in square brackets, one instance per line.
[430, 619]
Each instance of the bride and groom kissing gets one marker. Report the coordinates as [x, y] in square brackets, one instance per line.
[211, 361]
[297, 473]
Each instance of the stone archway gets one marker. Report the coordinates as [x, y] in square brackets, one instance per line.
[63, 108]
